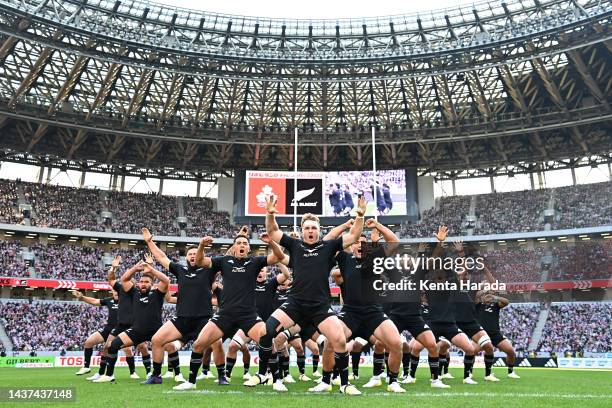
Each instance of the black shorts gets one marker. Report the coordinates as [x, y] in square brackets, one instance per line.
[189, 327]
[304, 315]
[120, 328]
[362, 322]
[140, 336]
[413, 323]
[307, 332]
[105, 331]
[496, 337]
[445, 331]
[229, 322]
[470, 328]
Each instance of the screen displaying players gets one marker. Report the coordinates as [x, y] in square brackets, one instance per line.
[327, 193]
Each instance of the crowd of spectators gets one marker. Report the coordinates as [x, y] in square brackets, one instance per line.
[203, 220]
[11, 263]
[132, 211]
[55, 326]
[582, 261]
[450, 211]
[9, 203]
[516, 264]
[68, 262]
[63, 207]
[517, 321]
[516, 211]
[579, 206]
[578, 327]
[583, 205]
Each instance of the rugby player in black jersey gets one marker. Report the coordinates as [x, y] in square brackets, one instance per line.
[488, 308]
[194, 307]
[100, 336]
[265, 292]
[237, 309]
[311, 260]
[359, 317]
[442, 317]
[124, 322]
[465, 317]
[147, 310]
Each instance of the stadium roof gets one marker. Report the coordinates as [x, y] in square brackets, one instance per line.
[137, 83]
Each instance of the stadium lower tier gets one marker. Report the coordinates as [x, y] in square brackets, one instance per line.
[569, 326]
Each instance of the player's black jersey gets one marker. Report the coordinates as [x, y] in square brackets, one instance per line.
[425, 311]
[113, 308]
[311, 266]
[265, 294]
[280, 297]
[441, 306]
[465, 308]
[194, 290]
[350, 270]
[239, 280]
[488, 316]
[125, 313]
[147, 309]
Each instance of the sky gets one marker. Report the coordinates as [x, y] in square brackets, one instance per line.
[319, 9]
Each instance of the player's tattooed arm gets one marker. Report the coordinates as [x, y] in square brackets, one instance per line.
[86, 299]
[337, 276]
[272, 228]
[284, 276]
[277, 254]
[337, 231]
[163, 279]
[112, 271]
[157, 253]
[487, 273]
[126, 278]
[202, 260]
[357, 228]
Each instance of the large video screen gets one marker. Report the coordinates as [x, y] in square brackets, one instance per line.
[327, 193]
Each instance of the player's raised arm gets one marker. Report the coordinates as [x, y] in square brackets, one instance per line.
[86, 299]
[112, 276]
[201, 259]
[357, 227]
[284, 276]
[501, 301]
[337, 231]
[126, 278]
[157, 253]
[272, 228]
[169, 298]
[337, 276]
[441, 237]
[163, 279]
[387, 234]
[277, 255]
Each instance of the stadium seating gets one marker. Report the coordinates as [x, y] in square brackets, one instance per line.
[56, 325]
[519, 211]
[578, 327]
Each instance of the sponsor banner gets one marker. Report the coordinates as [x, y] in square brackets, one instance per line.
[27, 362]
[78, 361]
[531, 286]
[60, 284]
[585, 362]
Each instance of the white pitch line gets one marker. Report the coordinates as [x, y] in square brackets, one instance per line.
[417, 394]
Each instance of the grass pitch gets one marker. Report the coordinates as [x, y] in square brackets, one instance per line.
[536, 388]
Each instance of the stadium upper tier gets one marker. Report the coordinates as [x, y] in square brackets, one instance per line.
[50, 206]
[133, 82]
